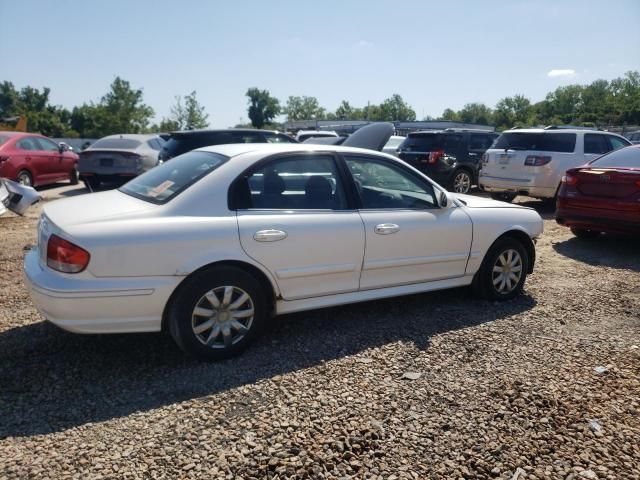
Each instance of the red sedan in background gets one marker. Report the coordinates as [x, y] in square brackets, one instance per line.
[33, 159]
[602, 196]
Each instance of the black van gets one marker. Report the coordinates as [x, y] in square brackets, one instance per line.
[450, 157]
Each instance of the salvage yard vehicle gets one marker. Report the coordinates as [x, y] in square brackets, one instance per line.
[532, 161]
[118, 158]
[450, 157]
[602, 196]
[212, 243]
[16, 197]
[35, 160]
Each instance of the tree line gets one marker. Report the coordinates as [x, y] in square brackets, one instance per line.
[122, 109]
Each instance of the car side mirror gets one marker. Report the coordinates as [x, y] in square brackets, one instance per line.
[445, 200]
[62, 147]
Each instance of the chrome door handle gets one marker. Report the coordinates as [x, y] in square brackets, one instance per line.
[386, 228]
[269, 235]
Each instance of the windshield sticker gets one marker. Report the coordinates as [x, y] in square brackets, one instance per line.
[160, 188]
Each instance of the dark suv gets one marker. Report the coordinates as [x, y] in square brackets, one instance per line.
[450, 157]
[185, 141]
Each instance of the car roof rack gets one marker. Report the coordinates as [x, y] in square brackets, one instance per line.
[570, 127]
[474, 130]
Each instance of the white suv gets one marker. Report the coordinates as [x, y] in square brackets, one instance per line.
[532, 161]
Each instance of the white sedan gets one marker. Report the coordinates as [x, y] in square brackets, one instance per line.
[212, 243]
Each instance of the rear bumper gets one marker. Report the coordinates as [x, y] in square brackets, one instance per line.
[609, 221]
[518, 186]
[98, 305]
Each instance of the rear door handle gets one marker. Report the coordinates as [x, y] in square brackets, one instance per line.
[270, 235]
[386, 228]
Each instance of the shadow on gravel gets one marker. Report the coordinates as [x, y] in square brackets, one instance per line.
[51, 380]
[607, 250]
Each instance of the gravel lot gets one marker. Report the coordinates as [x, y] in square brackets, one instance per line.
[502, 390]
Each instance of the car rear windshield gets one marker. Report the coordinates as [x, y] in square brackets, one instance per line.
[164, 182]
[624, 158]
[542, 142]
[428, 142]
[124, 143]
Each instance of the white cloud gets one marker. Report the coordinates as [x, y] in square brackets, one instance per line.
[562, 72]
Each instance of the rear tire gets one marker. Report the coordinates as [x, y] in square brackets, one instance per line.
[217, 313]
[461, 181]
[25, 178]
[584, 233]
[504, 197]
[503, 271]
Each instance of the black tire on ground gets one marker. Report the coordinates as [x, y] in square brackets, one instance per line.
[461, 181]
[25, 178]
[73, 176]
[193, 293]
[484, 282]
[584, 233]
[504, 197]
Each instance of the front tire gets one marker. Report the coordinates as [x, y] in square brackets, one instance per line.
[25, 178]
[503, 271]
[584, 233]
[461, 181]
[217, 313]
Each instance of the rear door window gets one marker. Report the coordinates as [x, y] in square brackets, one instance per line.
[47, 145]
[295, 182]
[538, 141]
[594, 143]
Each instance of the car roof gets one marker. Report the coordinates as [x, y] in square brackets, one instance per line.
[180, 133]
[132, 136]
[556, 130]
[235, 149]
[9, 133]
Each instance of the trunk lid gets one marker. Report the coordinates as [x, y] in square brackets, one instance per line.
[608, 182]
[96, 207]
[90, 160]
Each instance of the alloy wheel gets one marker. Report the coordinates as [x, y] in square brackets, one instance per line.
[507, 271]
[222, 317]
[24, 179]
[461, 182]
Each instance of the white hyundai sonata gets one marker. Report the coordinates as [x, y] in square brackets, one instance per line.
[212, 243]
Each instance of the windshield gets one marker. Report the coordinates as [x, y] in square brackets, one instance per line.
[537, 141]
[422, 142]
[164, 182]
[624, 158]
[124, 143]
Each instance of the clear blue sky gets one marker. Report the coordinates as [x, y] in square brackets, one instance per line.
[434, 54]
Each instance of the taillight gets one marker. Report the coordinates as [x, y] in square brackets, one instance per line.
[66, 257]
[569, 180]
[435, 156]
[536, 160]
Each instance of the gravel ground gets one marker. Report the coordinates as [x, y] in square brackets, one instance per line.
[434, 385]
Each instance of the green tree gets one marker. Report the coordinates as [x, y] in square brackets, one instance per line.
[512, 111]
[263, 108]
[123, 110]
[187, 116]
[303, 108]
[344, 111]
[625, 92]
[476, 113]
[395, 109]
[450, 115]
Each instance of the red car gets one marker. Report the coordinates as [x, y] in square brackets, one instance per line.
[33, 159]
[603, 195]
